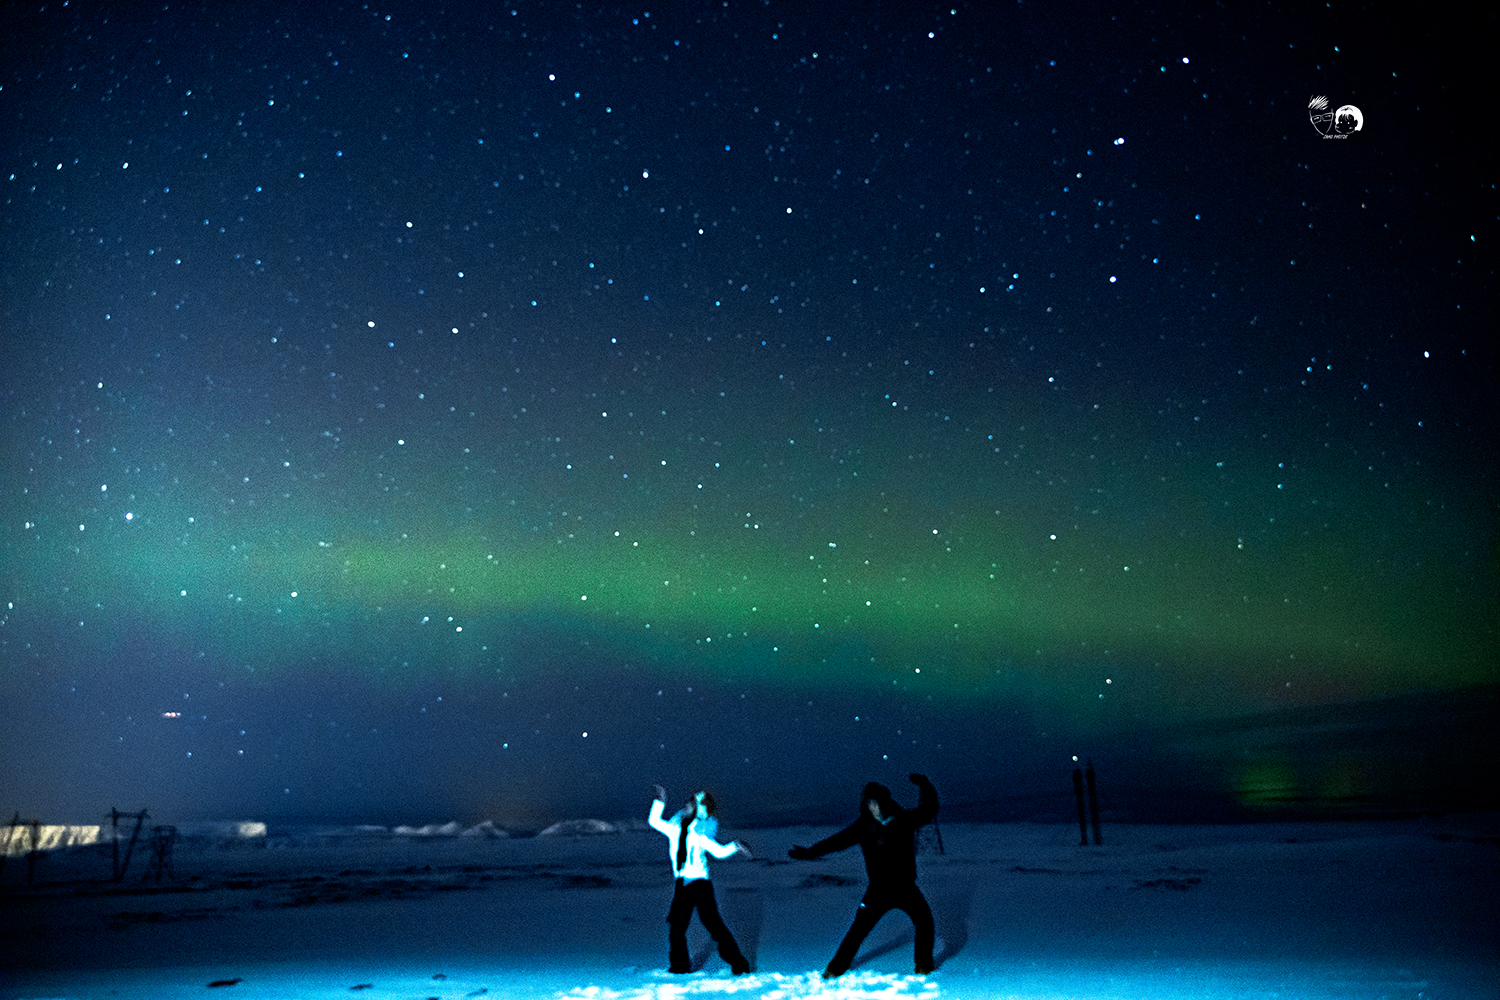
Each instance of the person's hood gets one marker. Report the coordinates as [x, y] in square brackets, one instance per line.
[881, 794]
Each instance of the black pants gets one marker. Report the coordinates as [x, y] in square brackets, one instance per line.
[880, 900]
[699, 895]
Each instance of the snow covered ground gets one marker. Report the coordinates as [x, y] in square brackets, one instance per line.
[1395, 909]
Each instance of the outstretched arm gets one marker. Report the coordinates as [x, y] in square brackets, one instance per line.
[712, 846]
[844, 839]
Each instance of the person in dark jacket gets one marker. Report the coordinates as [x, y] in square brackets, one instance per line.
[887, 834]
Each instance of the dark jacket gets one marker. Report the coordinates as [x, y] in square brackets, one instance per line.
[890, 848]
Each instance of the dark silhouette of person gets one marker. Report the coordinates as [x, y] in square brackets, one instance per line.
[887, 835]
[691, 831]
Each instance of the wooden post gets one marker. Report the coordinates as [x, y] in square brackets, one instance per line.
[1094, 804]
[1083, 828]
[114, 817]
[10, 833]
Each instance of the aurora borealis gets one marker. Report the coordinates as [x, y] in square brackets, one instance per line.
[486, 413]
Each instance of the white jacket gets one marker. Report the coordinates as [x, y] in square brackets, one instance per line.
[700, 841]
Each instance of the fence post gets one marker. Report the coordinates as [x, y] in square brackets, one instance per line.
[1083, 828]
[1094, 804]
[114, 818]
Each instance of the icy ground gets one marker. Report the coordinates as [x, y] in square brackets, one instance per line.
[1397, 909]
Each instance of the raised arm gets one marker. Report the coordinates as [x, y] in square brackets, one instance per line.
[927, 800]
[660, 825]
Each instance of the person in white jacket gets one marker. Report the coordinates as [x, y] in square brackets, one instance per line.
[691, 832]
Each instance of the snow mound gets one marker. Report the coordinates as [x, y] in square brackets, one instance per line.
[579, 828]
[486, 830]
[217, 830]
[449, 829]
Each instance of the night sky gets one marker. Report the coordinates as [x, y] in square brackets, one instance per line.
[418, 412]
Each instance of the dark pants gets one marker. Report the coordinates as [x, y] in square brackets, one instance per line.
[878, 901]
[699, 895]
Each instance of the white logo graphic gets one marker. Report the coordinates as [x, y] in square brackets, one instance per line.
[1334, 124]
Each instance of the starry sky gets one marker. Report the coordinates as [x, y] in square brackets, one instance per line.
[421, 411]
